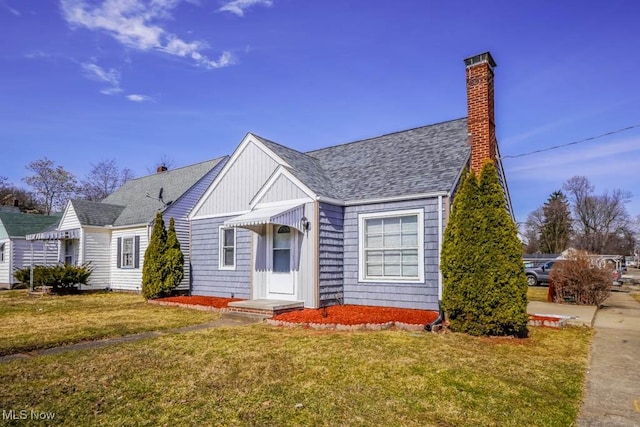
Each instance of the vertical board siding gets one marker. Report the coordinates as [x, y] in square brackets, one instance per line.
[179, 212]
[404, 295]
[283, 189]
[127, 279]
[207, 278]
[241, 182]
[96, 251]
[331, 254]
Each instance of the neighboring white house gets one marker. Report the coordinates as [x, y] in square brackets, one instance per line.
[113, 234]
[16, 251]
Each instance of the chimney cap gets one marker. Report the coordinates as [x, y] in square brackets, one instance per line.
[482, 57]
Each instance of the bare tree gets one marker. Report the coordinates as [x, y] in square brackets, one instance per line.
[104, 178]
[52, 184]
[165, 163]
[598, 218]
[533, 230]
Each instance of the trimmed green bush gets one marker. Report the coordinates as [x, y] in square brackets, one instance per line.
[60, 276]
[153, 270]
[173, 259]
[485, 288]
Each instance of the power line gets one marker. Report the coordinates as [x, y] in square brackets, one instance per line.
[542, 150]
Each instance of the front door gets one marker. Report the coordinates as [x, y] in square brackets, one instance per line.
[281, 276]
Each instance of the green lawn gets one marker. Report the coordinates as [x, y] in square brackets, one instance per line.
[265, 376]
[36, 322]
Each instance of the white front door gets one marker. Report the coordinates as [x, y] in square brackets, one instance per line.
[282, 275]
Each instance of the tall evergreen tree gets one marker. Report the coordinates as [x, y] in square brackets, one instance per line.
[555, 231]
[154, 272]
[485, 289]
[173, 259]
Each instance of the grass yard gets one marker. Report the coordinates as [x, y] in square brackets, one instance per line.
[36, 322]
[537, 293]
[265, 376]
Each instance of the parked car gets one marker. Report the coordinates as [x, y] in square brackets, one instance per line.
[540, 274]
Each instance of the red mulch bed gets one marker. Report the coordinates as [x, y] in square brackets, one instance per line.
[359, 314]
[217, 302]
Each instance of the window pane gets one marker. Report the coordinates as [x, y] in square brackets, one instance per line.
[410, 271]
[409, 240]
[373, 226]
[410, 256]
[281, 238]
[281, 260]
[374, 241]
[391, 225]
[374, 257]
[374, 270]
[228, 257]
[392, 270]
[392, 240]
[410, 224]
[229, 234]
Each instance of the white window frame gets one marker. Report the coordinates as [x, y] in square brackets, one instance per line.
[133, 252]
[362, 276]
[221, 248]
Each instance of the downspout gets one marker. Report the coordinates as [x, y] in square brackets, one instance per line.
[440, 318]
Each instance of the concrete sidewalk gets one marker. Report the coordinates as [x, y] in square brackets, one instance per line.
[612, 394]
[578, 315]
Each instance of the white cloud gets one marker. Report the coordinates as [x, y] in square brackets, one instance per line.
[15, 12]
[237, 7]
[37, 54]
[136, 24]
[138, 98]
[112, 77]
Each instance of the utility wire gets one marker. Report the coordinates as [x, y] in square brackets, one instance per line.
[513, 156]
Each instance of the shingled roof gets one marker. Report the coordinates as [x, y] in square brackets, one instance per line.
[17, 224]
[140, 197]
[423, 160]
[96, 213]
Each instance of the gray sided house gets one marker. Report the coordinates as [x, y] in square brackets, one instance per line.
[16, 251]
[113, 234]
[357, 223]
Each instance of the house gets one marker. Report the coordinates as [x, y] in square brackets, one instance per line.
[16, 251]
[356, 223]
[113, 234]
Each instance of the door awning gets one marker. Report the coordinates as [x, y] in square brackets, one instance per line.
[258, 219]
[55, 235]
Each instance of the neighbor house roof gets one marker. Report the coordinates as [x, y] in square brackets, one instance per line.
[96, 213]
[426, 159]
[141, 198]
[17, 224]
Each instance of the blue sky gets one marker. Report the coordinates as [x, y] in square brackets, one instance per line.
[138, 80]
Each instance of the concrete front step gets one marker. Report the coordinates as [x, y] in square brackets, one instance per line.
[264, 307]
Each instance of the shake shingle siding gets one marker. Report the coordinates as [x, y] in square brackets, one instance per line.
[207, 278]
[179, 212]
[331, 254]
[407, 295]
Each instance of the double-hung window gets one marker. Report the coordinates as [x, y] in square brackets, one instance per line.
[391, 246]
[128, 252]
[227, 248]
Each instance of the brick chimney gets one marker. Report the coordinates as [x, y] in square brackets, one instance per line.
[480, 109]
[161, 168]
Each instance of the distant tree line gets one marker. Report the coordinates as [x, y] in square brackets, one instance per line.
[578, 217]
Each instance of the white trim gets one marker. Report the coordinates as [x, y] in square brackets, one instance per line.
[221, 265]
[220, 215]
[248, 139]
[355, 202]
[124, 227]
[398, 213]
[279, 172]
[282, 203]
